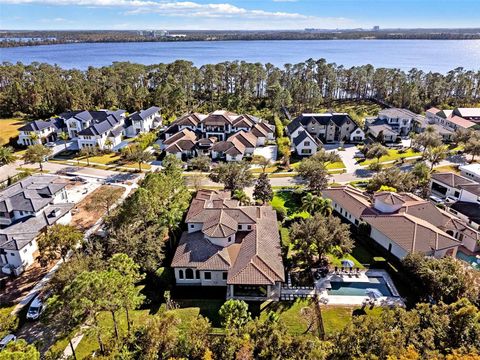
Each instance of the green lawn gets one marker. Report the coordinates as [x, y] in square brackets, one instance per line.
[330, 166]
[290, 201]
[393, 154]
[109, 160]
[9, 128]
[334, 317]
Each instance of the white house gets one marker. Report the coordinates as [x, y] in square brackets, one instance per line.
[448, 119]
[26, 209]
[39, 131]
[305, 144]
[446, 184]
[143, 121]
[471, 171]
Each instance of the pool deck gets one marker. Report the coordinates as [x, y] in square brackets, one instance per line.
[322, 286]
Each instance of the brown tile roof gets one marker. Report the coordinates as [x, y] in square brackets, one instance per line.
[259, 131]
[451, 179]
[417, 226]
[464, 123]
[246, 138]
[254, 258]
[471, 188]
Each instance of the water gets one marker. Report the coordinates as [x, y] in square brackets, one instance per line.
[428, 55]
[358, 288]
[470, 259]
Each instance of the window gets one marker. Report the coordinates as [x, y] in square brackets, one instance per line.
[207, 275]
[239, 227]
[197, 274]
[306, 151]
[249, 227]
[224, 275]
[180, 274]
[189, 274]
[306, 143]
[389, 247]
[13, 254]
[192, 226]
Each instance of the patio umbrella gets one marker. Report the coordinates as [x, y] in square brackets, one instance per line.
[373, 293]
[348, 263]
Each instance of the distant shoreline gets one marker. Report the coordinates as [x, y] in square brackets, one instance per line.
[37, 38]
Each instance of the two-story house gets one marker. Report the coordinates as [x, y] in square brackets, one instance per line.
[220, 134]
[448, 119]
[231, 246]
[143, 121]
[26, 209]
[392, 124]
[320, 129]
[40, 131]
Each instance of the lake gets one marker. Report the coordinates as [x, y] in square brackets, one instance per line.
[428, 55]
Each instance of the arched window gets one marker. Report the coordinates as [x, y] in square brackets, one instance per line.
[197, 274]
[180, 274]
[450, 232]
[189, 274]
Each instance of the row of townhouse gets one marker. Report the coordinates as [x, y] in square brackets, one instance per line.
[102, 128]
[402, 222]
[462, 197]
[309, 131]
[27, 208]
[220, 134]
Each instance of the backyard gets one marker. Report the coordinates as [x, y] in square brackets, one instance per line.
[290, 201]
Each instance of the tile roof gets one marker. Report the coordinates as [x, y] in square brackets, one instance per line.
[253, 259]
[417, 225]
[451, 179]
[246, 138]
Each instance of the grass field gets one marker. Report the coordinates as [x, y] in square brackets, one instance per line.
[393, 154]
[9, 129]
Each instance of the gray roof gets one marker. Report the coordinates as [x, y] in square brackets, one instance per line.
[397, 113]
[37, 125]
[143, 114]
[302, 136]
[30, 194]
[323, 119]
[23, 231]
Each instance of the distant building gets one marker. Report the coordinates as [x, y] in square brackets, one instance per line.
[376, 28]
[391, 124]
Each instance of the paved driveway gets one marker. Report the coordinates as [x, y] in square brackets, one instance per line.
[347, 156]
[268, 152]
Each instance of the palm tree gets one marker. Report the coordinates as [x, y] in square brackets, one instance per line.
[308, 202]
[34, 138]
[64, 137]
[87, 152]
[242, 197]
[6, 155]
[313, 203]
[436, 154]
[109, 144]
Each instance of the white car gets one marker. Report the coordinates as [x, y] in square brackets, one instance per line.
[35, 309]
[7, 339]
[436, 199]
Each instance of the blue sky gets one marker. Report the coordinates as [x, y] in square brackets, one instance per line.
[236, 14]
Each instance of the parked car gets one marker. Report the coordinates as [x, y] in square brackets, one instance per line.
[7, 339]
[436, 199]
[359, 155]
[50, 144]
[35, 309]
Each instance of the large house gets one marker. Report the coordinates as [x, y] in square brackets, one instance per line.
[402, 222]
[463, 199]
[308, 132]
[391, 124]
[40, 131]
[220, 134]
[448, 119]
[471, 171]
[103, 128]
[472, 114]
[26, 209]
[231, 246]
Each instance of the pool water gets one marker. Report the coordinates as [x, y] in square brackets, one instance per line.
[472, 260]
[358, 288]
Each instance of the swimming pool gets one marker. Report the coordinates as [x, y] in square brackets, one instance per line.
[472, 260]
[358, 288]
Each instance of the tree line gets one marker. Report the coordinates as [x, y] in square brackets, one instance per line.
[41, 90]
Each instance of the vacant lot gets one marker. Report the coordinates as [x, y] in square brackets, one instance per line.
[92, 208]
[393, 154]
[9, 129]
